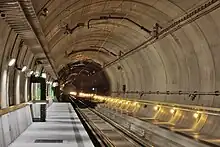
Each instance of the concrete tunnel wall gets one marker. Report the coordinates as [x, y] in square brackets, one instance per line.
[185, 60]
[14, 83]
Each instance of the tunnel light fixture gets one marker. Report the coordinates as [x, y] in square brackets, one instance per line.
[24, 69]
[44, 75]
[31, 72]
[73, 93]
[49, 82]
[196, 115]
[37, 74]
[172, 111]
[86, 95]
[135, 103]
[12, 62]
[55, 84]
[80, 94]
[44, 12]
[156, 108]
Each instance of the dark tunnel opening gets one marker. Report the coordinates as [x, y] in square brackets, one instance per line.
[84, 76]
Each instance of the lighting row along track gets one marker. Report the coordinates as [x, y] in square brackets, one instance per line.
[173, 110]
[156, 105]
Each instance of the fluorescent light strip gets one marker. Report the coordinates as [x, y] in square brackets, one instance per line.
[24, 69]
[11, 62]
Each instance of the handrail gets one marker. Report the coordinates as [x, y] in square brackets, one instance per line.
[12, 108]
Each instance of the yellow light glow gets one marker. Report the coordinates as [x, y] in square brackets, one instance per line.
[73, 93]
[135, 103]
[156, 108]
[172, 111]
[196, 115]
[88, 95]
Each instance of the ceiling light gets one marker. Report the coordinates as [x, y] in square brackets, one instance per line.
[55, 84]
[37, 74]
[24, 69]
[44, 75]
[11, 62]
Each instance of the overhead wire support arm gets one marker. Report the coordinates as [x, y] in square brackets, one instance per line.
[193, 15]
[69, 30]
[117, 17]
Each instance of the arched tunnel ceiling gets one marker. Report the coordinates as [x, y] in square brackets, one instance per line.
[184, 57]
[114, 35]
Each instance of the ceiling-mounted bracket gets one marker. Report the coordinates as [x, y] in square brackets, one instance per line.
[120, 18]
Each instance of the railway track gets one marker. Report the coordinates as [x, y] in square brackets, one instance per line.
[107, 132]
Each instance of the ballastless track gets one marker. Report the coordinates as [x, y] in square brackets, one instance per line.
[105, 131]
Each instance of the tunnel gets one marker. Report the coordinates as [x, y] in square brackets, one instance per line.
[72, 69]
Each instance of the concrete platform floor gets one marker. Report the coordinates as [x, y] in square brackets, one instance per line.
[62, 128]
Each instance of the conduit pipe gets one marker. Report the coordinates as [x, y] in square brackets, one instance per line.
[177, 24]
[119, 18]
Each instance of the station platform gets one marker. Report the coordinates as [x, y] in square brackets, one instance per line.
[62, 128]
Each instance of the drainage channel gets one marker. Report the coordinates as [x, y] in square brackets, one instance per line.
[104, 131]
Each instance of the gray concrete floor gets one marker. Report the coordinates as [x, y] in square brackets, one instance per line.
[62, 124]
